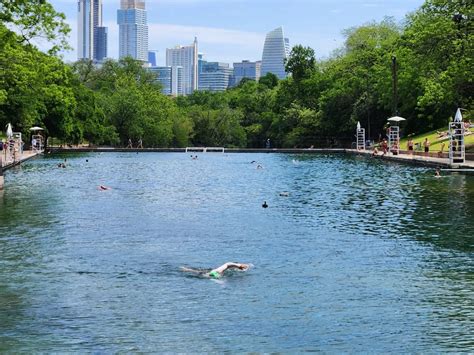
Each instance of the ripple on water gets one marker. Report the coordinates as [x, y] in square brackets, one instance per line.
[360, 256]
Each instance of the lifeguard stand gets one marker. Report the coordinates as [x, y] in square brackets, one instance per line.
[394, 139]
[39, 143]
[360, 137]
[457, 149]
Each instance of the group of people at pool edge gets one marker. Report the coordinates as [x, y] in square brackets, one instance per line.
[10, 151]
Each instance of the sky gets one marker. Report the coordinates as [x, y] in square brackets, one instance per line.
[234, 30]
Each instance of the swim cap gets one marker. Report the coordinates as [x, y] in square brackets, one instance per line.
[214, 275]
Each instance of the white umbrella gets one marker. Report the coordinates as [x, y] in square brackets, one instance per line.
[9, 131]
[36, 129]
[358, 126]
[396, 119]
[458, 117]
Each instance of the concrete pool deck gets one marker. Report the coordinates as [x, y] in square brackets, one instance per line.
[27, 154]
[418, 159]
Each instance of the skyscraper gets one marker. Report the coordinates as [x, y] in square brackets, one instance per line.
[92, 36]
[275, 51]
[186, 57]
[133, 30]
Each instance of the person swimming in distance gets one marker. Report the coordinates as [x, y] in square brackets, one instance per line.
[218, 272]
[284, 194]
[437, 173]
[104, 188]
[265, 205]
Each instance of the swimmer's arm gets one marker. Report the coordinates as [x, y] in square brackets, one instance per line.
[226, 266]
[232, 266]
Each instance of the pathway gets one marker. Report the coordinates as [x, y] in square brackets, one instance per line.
[27, 154]
[418, 160]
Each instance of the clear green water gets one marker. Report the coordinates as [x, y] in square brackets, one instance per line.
[362, 256]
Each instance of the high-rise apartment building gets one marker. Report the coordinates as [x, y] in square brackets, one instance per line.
[133, 30]
[171, 79]
[275, 51]
[186, 57]
[92, 36]
[214, 76]
[247, 69]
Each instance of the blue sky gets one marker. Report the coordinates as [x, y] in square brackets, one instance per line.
[233, 30]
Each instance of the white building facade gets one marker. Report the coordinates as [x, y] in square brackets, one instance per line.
[187, 58]
[133, 30]
[276, 49]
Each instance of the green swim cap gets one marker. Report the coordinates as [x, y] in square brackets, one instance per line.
[215, 275]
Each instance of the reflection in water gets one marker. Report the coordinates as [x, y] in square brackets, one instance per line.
[360, 249]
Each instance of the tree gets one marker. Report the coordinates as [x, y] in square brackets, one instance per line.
[270, 80]
[35, 18]
[301, 63]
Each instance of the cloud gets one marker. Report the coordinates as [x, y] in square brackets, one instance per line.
[219, 44]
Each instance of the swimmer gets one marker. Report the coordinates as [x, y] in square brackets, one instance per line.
[259, 167]
[284, 194]
[265, 204]
[437, 173]
[104, 188]
[217, 273]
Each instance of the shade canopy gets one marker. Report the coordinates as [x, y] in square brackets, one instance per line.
[458, 117]
[396, 119]
[36, 129]
[358, 126]
[9, 130]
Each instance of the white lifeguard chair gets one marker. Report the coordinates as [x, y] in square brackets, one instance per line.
[37, 140]
[394, 140]
[457, 149]
[394, 134]
[360, 134]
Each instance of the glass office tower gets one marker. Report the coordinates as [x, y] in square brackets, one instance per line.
[92, 36]
[275, 51]
[133, 30]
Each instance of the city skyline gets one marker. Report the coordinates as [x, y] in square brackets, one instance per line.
[229, 32]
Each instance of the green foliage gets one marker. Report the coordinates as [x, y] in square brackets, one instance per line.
[270, 80]
[320, 102]
[33, 19]
[301, 63]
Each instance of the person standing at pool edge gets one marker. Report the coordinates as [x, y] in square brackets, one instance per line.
[426, 144]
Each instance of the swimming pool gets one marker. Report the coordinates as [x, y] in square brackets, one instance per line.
[360, 256]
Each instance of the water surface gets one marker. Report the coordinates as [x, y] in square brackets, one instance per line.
[361, 256]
